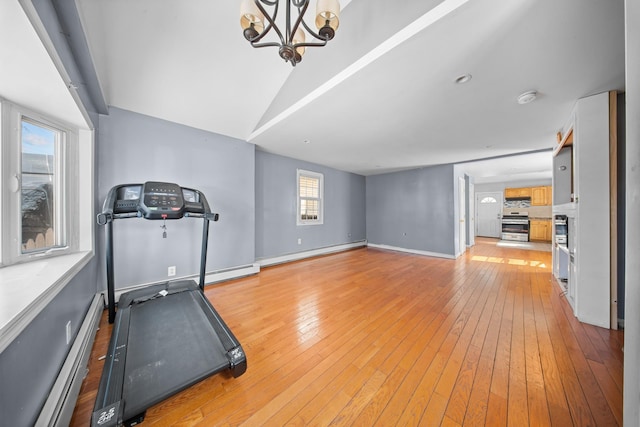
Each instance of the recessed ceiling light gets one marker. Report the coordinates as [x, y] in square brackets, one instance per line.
[527, 97]
[463, 79]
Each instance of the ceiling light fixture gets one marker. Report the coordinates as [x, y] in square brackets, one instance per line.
[527, 97]
[292, 41]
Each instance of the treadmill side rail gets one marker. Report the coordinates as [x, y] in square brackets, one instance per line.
[108, 406]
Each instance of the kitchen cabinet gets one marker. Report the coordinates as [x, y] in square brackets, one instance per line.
[540, 230]
[541, 196]
[517, 192]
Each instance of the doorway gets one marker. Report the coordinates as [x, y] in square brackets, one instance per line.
[489, 214]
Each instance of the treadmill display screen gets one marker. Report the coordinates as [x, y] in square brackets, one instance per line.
[189, 196]
[132, 193]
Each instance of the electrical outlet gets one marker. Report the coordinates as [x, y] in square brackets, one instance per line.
[171, 271]
[68, 331]
[299, 241]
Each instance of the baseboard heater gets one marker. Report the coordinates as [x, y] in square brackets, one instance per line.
[58, 408]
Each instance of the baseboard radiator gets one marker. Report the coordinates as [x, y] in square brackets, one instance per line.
[58, 408]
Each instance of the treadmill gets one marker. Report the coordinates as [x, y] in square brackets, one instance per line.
[166, 337]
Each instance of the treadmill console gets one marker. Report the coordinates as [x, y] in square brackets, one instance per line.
[154, 200]
[161, 200]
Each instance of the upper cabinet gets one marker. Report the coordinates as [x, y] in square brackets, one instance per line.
[541, 196]
[517, 192]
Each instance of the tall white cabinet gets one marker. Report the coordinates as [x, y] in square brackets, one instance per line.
[581, 192]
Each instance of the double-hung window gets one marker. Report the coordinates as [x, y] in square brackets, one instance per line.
[310, 193]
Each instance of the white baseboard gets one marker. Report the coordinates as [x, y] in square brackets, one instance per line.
[411, 251]
[58, 408]
[264, 262]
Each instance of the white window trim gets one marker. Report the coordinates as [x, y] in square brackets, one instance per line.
[320, 177]
[28, 286]
[66, 196]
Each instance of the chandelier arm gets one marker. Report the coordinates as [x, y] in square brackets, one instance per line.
[272, 23]
[302, 6]
[314, 34]
[310, 44]
[268, 44]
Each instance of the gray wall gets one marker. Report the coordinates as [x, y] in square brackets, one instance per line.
[135, 148]
[30, 364]
[276, 198]
[413, 209]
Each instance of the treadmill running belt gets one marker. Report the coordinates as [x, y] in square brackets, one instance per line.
[171, 347]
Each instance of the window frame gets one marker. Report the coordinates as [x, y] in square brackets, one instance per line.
[313, 175]
[66, 200]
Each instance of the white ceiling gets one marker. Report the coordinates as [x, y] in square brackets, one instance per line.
[381, 96]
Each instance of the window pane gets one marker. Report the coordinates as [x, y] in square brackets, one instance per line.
[38, 172]
[309, 186]
[488, 200]
[308, 209]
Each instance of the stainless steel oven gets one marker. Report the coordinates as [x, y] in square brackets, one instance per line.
[515, 226]
[561, 229]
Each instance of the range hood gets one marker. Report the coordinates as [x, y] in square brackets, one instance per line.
[518, 199]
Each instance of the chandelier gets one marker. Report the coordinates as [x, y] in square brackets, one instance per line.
[292, 41]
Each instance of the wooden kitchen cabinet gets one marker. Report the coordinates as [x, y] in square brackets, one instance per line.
[517, 192]
[540, 230]
[541, 196]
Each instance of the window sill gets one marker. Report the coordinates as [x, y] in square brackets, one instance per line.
[26, 289]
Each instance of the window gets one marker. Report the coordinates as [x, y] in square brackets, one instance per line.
[38, 176]
[488, 200]
[310, 192]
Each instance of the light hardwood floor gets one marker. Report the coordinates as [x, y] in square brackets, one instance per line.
[372, 337]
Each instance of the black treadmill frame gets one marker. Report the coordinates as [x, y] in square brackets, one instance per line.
[109, 408]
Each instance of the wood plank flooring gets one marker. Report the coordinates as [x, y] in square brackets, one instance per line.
[372, 337]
